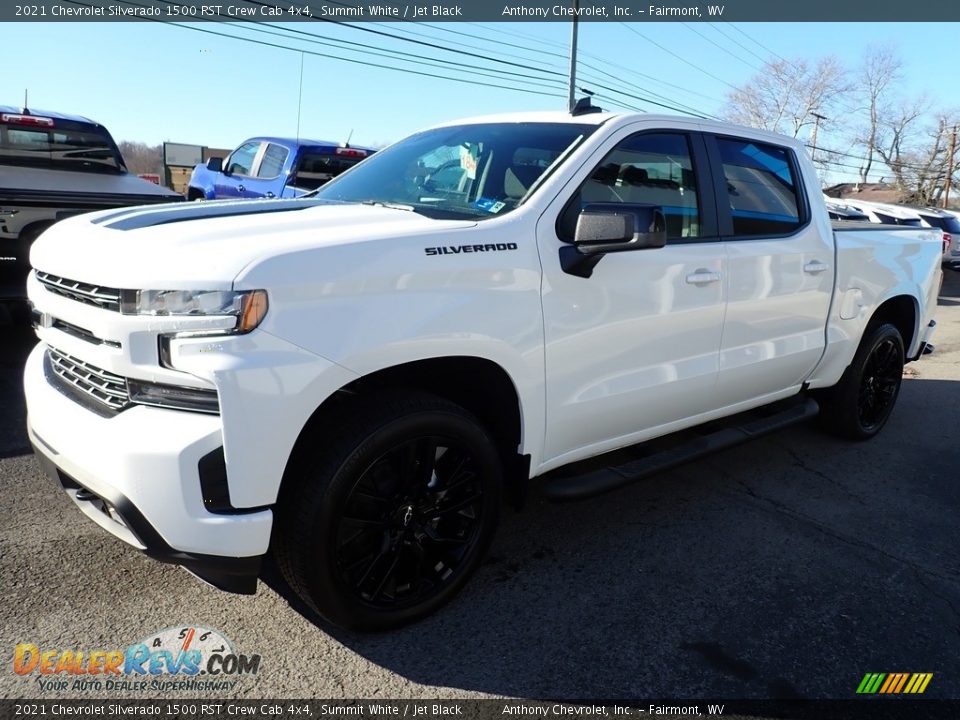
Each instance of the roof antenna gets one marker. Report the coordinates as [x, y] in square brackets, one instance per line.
[25, 104]
[585, 105]
[349, 135]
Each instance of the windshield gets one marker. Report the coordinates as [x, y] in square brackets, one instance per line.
[86, 150]
[465, 171]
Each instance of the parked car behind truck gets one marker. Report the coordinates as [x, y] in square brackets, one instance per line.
[354, 380]
[268, 167]
[53, 166]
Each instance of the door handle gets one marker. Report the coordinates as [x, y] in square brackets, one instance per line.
[702, 276]
[815, 266]
[241, 188]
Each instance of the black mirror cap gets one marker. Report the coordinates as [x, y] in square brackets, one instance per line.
[215, 164]
[614, 227]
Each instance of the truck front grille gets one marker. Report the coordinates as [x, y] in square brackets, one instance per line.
[96, 295]
[102, 387]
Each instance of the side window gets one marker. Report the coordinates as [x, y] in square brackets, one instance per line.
[761, 187]
[272, 162]
[644, 169]
[241, 161]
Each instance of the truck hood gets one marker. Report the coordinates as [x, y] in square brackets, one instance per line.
[18, 183]
[206, 245]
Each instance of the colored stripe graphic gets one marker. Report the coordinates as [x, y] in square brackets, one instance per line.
[894, 683]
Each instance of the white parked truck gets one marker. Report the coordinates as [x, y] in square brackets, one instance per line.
[354, 380]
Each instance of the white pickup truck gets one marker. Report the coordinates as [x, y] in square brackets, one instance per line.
[352, 381]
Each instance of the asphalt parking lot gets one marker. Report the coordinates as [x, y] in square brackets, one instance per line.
[789, 567]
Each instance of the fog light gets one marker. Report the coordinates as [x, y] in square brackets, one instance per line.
[176, 397]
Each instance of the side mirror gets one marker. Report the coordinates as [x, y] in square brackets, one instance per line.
[215, 164]
[612, 227]
[616, 227]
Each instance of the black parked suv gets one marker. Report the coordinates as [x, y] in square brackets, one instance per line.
[53, 166]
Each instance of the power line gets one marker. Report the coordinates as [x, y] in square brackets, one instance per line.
[681, 59]
[602, 86]
[716, 26]
[600, 58]
[390, 54]
[327, 55]
[759, 44]
[725, 49]
[670, 103]
[877, 158]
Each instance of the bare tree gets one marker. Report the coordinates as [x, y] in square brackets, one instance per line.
[880, 72]
[142, 158]
[786, 95]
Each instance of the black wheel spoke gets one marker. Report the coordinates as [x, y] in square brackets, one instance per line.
[372, 522]
[386, 575]
[454, 507]
[410, 522]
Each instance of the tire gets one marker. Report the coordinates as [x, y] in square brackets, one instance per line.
[860, 404]
[384, 516]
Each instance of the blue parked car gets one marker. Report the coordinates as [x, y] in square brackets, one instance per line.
[273, 167]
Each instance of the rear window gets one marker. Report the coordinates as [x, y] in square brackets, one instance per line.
[948, 223]
[89, 150]
[316, 168]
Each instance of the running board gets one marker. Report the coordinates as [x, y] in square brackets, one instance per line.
[579, 487]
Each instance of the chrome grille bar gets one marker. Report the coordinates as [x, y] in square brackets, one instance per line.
[96, 295]
[105, 387]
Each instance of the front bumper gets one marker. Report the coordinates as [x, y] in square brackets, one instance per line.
[122, 518]
[144, 465]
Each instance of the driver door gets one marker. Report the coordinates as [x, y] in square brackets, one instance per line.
[633, 350]
[238, 168]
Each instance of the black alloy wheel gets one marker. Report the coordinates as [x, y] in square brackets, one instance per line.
[882, 375]
[860, 404]
[386, 511]
[410, 522]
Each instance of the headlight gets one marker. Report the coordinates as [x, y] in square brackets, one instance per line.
[248, 306]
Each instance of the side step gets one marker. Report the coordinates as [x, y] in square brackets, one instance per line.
[579, 487]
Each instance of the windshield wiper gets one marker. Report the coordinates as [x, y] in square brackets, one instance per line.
[391, 205]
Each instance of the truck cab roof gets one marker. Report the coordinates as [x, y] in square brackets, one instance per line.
[10, 110]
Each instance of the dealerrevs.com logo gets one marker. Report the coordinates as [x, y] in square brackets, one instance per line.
[193, 658]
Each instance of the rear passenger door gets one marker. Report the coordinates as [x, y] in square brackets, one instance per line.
[634, 346]
[780, 270]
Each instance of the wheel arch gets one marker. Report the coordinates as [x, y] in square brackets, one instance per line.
[29, 233]
[479, 385]
[903, 312]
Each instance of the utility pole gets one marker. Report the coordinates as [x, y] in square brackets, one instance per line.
[953, 148]
[813, 135]
[572, 94]
[300, 97]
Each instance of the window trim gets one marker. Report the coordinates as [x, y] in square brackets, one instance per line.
[706, 200]
[725, 217]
